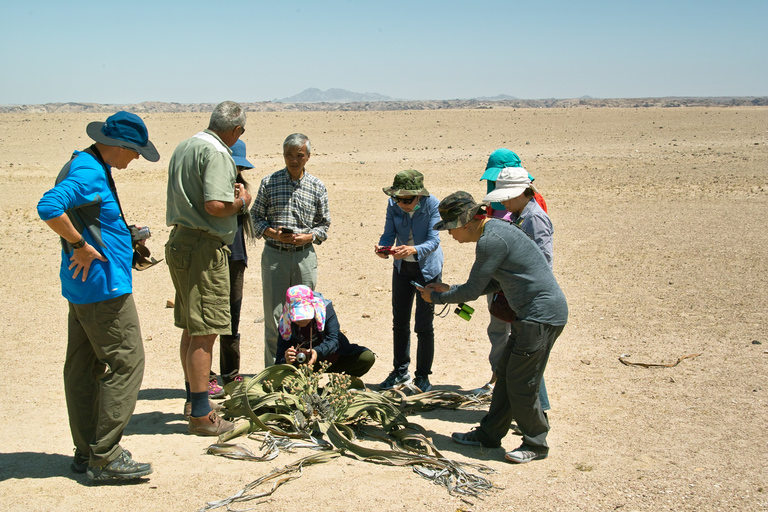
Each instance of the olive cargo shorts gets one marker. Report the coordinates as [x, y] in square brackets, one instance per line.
[199, 266]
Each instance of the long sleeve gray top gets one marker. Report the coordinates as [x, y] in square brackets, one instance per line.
[506, 259]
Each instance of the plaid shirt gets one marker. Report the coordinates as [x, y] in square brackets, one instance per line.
[301, 205]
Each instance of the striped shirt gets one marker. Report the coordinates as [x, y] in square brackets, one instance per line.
[301, 205]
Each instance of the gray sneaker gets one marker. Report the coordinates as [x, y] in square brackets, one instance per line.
[395, 379]
[422, 382]
[122, 468]
[525, 453]
[467, 438]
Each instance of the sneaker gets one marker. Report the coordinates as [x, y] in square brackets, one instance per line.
[211, 425]
[487, 389]
[395, 379]
[217, 408]
[467, 438]
[80, 464]
[122, 468]
[214, 390]
[422, 383]
[525, 453]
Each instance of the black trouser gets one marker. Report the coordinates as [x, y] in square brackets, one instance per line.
[229, 352]
[516, 394]
[403, 294]
[355, 365]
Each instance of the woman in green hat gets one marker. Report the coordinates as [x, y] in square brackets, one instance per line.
[415, 246]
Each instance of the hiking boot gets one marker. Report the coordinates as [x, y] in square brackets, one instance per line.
[80, 464]
[217, 408]
[211, 425]
[122, 468]
[467, 438]
[422, 382]
[395, 379]
[487, 389]
[214, 390]
[525, 453]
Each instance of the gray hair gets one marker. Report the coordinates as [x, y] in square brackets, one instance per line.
[297, 141]
[226, 116]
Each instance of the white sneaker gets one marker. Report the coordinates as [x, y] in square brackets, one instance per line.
[484, 390]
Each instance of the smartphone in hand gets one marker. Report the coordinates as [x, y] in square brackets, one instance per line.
[418, 286]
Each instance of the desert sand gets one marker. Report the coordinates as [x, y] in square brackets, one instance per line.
[660, 247]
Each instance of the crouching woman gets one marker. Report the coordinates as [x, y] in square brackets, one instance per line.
[310, 334]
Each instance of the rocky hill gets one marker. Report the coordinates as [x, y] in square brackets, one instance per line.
[270, 106]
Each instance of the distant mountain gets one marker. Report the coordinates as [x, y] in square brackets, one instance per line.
[500, 97]
[313, 95]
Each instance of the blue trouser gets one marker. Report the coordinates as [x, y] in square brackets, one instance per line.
[403, 293]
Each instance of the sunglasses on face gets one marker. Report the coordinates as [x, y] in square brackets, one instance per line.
[405, 200]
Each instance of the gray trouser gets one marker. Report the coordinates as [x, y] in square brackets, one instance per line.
[498, 334]
[279, 271]
[516, 394]
[103, 370]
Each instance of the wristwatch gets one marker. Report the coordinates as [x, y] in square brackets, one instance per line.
[79, 244]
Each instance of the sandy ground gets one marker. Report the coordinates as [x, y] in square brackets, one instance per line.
[660, 247]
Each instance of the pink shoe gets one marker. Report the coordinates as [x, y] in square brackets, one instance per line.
[214, 390]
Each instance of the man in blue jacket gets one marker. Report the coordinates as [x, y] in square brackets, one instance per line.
[104, 363]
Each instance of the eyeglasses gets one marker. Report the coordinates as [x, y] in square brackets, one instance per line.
[405, 200]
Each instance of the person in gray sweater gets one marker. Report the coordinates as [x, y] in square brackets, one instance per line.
[507, 259]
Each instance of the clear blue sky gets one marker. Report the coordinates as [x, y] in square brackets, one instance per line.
[207, 51]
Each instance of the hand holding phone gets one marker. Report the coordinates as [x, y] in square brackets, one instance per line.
[385, 249]
[418, 286]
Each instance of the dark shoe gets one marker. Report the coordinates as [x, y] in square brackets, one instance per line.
[525, 453]
[395, 379]
[80, 464]
[217, 408]
[122, 468]
[422, 383]
[211, 425]
[467, 438]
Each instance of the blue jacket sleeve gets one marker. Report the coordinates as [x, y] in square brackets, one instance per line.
[74, 190]
[432, 240]
[388, 237]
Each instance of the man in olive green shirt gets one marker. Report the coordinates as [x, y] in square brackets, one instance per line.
[203, 203]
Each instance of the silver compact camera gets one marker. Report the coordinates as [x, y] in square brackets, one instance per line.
[139, 233]
[302, 356]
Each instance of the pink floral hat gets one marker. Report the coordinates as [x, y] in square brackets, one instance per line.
[300, 304]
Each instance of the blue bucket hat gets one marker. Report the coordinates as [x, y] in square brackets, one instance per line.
[238, 155]
[124, 130]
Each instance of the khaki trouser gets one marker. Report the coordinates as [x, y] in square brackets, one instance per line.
[103, 370]
[279, 271]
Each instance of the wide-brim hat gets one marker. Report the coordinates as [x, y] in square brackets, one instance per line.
[238, 155]
[124, 130]
[510, 183]
[456, 210]
[407, 183]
